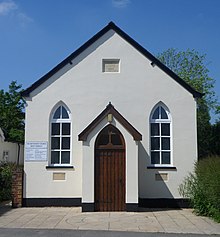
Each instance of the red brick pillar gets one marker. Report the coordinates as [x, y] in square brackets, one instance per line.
[17, 187]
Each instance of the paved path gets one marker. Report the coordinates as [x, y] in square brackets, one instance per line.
[22, 232]
[149, 220]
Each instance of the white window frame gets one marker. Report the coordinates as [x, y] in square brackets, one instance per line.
[60, 121]
[161, 121]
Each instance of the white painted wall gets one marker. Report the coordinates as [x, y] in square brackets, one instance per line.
[86, 90]
[12, 149]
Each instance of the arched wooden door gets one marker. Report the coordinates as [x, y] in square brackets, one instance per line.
[110, 170]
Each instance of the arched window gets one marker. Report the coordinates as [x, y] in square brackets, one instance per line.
[60, 143]
[160, 136]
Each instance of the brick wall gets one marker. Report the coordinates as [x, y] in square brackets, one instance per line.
[17, 187]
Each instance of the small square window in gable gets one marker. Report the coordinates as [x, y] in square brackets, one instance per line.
[111, 65]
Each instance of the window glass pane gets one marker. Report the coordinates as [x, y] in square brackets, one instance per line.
[65, 157]
[163, 113]
[156, 114]
[116, 139]
[55, 143]
[57, 114]
[103, 139]
[55, 157]
[165, 157]
[165, 143]
[65, 142]
[165, 129]
[155, 143]
[64, 113]
[55, 129]
[65, 128]
[155, 157]
[154, 129]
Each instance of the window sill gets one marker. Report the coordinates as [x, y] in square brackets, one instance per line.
[59, 167]
[162, 167]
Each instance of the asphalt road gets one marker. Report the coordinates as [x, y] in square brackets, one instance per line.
[5, 232]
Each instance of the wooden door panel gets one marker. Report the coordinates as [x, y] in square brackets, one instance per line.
[110, 181]
[110, 170]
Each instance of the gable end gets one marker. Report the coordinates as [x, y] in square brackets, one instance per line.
[137, 46]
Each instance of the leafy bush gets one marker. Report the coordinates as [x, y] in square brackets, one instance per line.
[6, 180]
[203, 187]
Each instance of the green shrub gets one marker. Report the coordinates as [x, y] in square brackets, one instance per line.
[203, 187]
[6, 180]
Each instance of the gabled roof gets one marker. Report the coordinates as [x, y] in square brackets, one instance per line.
[112, 26]
[110, 109]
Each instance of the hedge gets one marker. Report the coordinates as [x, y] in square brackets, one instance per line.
[6, 180]
[203, 187]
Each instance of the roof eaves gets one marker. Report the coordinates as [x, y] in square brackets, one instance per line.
[155, 61]
[163, 67]
[136, 45]
[67, 60]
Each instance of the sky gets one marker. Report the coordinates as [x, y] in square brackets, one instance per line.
[36, 35]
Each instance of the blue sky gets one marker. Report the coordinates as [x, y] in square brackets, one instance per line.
[35, 35]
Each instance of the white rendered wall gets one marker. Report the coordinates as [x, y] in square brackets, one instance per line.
[86, 90]
[12, 148]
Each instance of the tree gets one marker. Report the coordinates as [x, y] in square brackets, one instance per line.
[12, 114]
[215, 142]
[190, 66]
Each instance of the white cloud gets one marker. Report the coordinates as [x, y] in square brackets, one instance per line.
[120, 3]
[24, 19]
[6, 7]
[9, 7]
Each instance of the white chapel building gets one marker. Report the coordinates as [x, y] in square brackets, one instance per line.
[110, 128]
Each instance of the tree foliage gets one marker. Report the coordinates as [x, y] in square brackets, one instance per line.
[215, 138]
[6, 170]
[12, 113]
[191, 67]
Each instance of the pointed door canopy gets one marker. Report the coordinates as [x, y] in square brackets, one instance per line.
[110, 110]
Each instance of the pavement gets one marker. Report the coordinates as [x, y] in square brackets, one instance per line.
[4, 232]
[71, 218]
